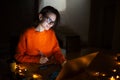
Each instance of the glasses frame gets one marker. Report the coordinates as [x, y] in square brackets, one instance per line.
[49, 20]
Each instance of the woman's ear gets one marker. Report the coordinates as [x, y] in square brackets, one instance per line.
[40, 17]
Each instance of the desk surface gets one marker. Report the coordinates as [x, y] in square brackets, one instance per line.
[102, 65]
[27, 70]
[96, 65]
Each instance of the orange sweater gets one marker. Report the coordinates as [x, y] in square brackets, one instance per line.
[31, 42]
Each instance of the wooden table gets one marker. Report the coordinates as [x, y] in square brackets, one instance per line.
[27, 70]
[71, 68]
[100, 65]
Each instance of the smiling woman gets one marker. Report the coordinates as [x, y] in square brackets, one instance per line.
[41, 39]
[38, 44]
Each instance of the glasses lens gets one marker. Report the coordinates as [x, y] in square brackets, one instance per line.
[49, 21]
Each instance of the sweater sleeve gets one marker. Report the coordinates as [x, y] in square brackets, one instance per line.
[57, 52]
[58, 55]
[22, 55]
[21, 48]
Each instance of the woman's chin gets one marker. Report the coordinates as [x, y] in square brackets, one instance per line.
[47, 28]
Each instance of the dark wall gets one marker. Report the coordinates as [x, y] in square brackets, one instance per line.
[102, 23]
[15, 15]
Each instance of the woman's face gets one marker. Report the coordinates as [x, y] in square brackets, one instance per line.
[48, 21]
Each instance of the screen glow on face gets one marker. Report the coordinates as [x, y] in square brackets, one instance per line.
[49, 20]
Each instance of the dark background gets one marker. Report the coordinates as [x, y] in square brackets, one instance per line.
[104, 30]
[17, 15]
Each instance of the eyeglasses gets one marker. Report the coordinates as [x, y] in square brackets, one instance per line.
[48, 20]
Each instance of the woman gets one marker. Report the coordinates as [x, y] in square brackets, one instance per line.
[38, 44]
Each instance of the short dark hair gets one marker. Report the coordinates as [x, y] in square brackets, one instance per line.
[50, 9]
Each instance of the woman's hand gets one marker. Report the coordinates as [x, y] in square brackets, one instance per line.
[43, 60]
[64, 63]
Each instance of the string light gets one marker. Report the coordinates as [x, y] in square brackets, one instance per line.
[114, 70]
[112, 78]
[117, 76]
[37, 76]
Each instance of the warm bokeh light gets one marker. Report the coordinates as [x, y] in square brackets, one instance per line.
[20, 70]
[37, 76]
[96, 73]
[118, 63]
[112, 78]
[13, 66]
[114, 70]
[103, 74]
[115, 58]
[117, 76]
